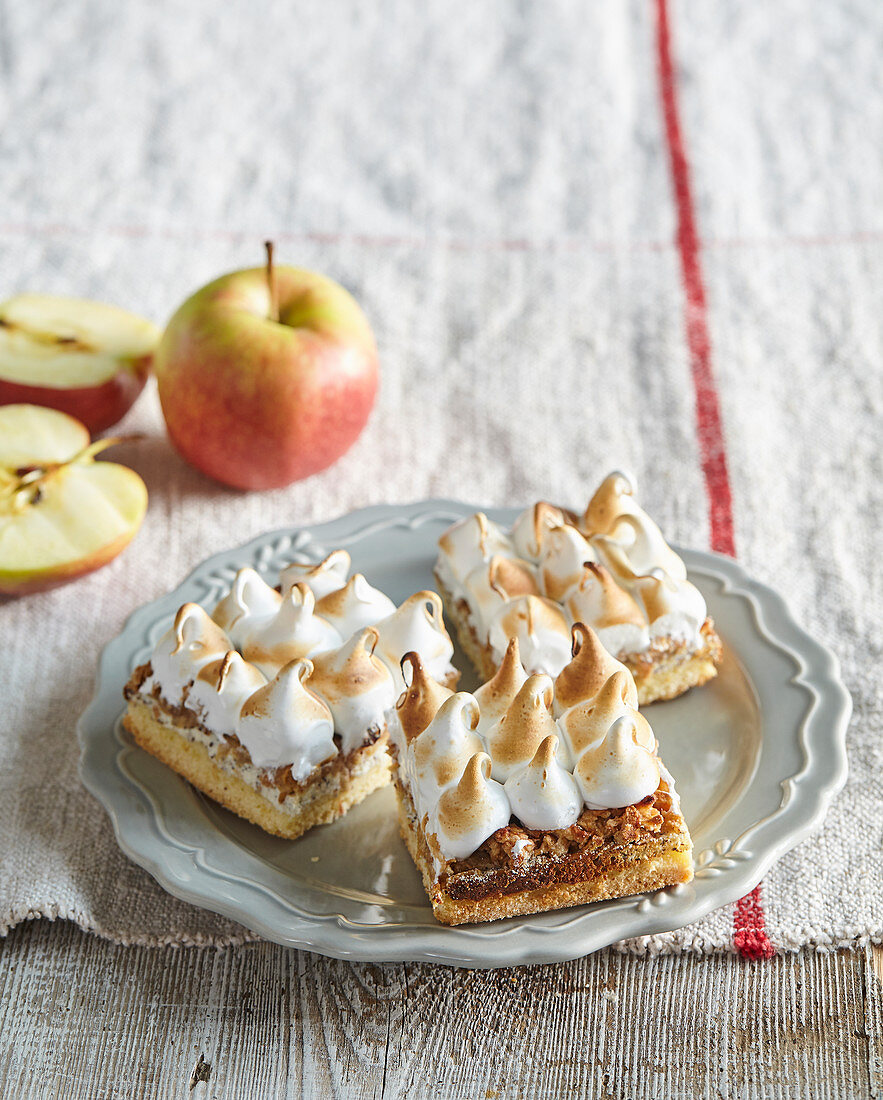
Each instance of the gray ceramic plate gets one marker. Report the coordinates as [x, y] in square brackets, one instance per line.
[757, 755]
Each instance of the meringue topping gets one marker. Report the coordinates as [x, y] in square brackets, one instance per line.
[598, 600]
[675, 608]
[250, 601]
[357, 687]
[532, 526]
[618, 771]
[193, 641]
[421, 699]
[220, 689]
[515, 738]
[294, 631]
[466, 815]
[564, 554]
[329, 575]
[471, 542]
[416, 625]
[587, 723]
[543, 794]
[443, 748]
[354, 606]
[496, 695]
[283, 722]
[541, 629]
[611, 500]
[588, 671]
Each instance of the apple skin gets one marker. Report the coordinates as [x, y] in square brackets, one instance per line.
[98, 407]
[27, 584]
[256, 403]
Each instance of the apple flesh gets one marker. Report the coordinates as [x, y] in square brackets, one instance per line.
[87, 359]
[62, 514]
[256, 402]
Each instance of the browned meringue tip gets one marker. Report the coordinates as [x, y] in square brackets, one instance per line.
[510, 578]
[476, 773]
[212, 637]
[547, 752]
[421, 700]
[653, 587]
[615, 557]
[605, 507]
[302, 667]
[223, 671]
[589, 669]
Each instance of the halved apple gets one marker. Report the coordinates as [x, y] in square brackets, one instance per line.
[85, 358]
[62, 514]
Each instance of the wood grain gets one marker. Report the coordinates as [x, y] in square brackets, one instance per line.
[81, 1018]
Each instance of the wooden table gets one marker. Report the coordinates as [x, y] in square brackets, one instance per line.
[83, 1018]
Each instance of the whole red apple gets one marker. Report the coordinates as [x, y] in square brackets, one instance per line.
[266, 376]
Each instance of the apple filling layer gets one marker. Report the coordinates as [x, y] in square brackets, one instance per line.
[534, 794]
[609, 568]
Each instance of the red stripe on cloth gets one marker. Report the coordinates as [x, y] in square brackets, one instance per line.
[749, 928]
[708, 414]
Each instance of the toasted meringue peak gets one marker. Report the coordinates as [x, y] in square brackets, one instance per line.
[472, 811]
[532, 526]
[543, 794]
[472, 541]
[443, 748]
[600, 602]
[221, 688]
[416, 625]
[358, 604]
[421, 699]
[511, 577]
[612, 500]
[675, 608]
[587, 723]
[284, 723]
[249, 601]
[356, 686]
[645, 547]
[564, 553]
[496, 696]
[541, 629]
[193, 641]
[618, 771]
[329, 575]
[515, 738]
[294, 631]
[588, 671]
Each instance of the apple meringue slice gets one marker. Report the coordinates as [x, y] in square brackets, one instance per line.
[286, 719]
[589, 568]
[498, 818]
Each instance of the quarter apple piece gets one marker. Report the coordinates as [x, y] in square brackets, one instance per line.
[60, 518]
[85, 358]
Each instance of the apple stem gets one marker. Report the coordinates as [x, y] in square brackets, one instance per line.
[271, 282]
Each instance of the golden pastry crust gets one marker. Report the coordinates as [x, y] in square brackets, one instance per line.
[667, 669]
[645, 862]
[286, 809]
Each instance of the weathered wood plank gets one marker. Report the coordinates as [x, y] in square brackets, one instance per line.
[81, 1018]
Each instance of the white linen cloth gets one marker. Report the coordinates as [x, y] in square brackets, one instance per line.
[491, 181]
